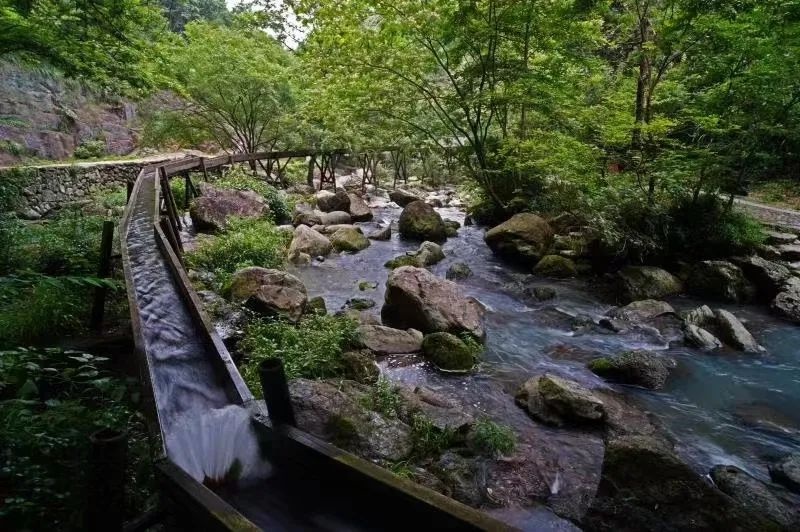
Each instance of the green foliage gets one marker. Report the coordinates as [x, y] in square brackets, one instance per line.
[50, 402]
[180, 12]
[239, 179]
[178, 187]
[310, 349]
[492, 439]
[429, 440]
[383, 398]
[13, 148]
[244, 243]
[90, 149]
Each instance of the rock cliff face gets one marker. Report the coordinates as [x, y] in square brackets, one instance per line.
[47, 116]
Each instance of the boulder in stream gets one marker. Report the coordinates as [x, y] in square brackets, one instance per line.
[719, 280]
[640, 368]
[734, 333]
[558, 401]
[349, 239]
[555, 266]
[752, 494]
[448, 352]
[786, 471]
[328, 201]
[526, 237]
[645, 486]
[787, 302]
[416, 298]
[403, 197]
[383, 340]
[458, 271]
[310, 242]
[700, 316]
[767, 276]
[699, 337]
[271, 292]
[451, 227]
[334, 218]
[643, 310]
[646, 282]
[420, 222]
[382, 233]
[210, 212]
[359, 210]
[305, 214]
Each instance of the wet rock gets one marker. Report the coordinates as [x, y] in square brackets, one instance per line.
[525, 237]
[786, 471]
[334, 411]
[460, 478]
[367, 285]
[210, 212]
[752, 494]
[429, 253]
[335, 218]
[448, 352]
[407, 259]
[359, 210]
[733, 333]
[360, 366]
[768, 277]
[778, 238]
[419, 221]
[328, 201]
[359, 303]
[624, 417]
[270, 292]
[384, 340]
[541, 293]
[349, 239]
[700, 316]
[555, 266]
[640, 368]
[228, 319]
[643, 310]
[557, 401]
[790, 252]
[768, 252]
[443, 412]
[702, 339]
[316, 305]
[787, 303]
[766, 417]
[384, 233]
[330, 229]
[403, 197]
[304, 214]
[646, 282]
[416, 298]
[308, 241]
[458, 271]
[719, 280]
[645, 486]
[298, 258]
[451, 227]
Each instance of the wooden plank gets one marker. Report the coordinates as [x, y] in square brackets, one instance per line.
[103, 272]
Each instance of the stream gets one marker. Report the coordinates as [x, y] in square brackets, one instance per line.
[720, 408]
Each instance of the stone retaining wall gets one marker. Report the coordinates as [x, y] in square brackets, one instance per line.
[45, 188]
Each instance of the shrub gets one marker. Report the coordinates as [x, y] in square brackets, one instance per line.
[50, 402]
[90, 149]
[492, 439]
[244, 243]
[239, 179]
[430, 440]
[312, 349]
[383, 398]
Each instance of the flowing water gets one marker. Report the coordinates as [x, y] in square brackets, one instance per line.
[721, 408]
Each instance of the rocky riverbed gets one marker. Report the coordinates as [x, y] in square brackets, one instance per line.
[620, 412]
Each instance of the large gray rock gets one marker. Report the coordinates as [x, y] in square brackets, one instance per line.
[335, 218]
[384, 340]
[645, 486]
[429, 253]
[700, 316]
[349, 239]
[417, 299]
[330, 229]
[335, 412]
[719, 280]
[420, 222]
[767, 276]
[211, 211]
[270, 292]
[443, 412]
[525, 237]
[328, 201]
[643, 310]
[359, 210]
[640, 368]
[558, 401]
[786, 471]
[403, 197]
[310, 242]
[304, 214]
[734, 333]
[787, 302]
[699, 337]
[447, 352]
[646, 282]
[751, 493]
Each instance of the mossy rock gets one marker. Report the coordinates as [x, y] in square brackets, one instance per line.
[349, 239]
[448, 352]
[360, 366]
[555, 266]
[403, 260]
[419, 221]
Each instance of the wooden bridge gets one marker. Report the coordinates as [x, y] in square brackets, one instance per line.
[187, 370]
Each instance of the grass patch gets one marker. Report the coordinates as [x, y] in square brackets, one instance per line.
[782, 193]
[492, 439]
[383, 398]
[312, 349]
[244, 243]
[429, 440]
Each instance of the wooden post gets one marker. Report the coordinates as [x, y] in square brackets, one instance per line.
[188, 190]
[169, 199]
[103, 271]
[276, 392]
[205, 170]
[172, 237]
[129, 191]
[105, 505]
[312, 161]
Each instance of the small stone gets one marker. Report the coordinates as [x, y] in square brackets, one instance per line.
[458, 271]
[359, 303]
[384, 233]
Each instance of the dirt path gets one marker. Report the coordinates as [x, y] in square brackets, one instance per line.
[767, 214]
